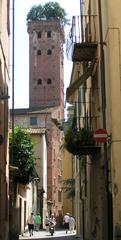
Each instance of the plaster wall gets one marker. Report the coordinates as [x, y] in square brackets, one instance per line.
[113, 40]
[4, 85]
[68, 204]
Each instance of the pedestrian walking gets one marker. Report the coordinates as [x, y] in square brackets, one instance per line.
[52, 219]
[71, 224]
[52, 223]
[37, 221]
[66, 222]
[30, 223]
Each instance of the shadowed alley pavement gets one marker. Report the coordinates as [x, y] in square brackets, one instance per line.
[59, 234]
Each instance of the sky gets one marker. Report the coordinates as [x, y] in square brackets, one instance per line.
[21, 82]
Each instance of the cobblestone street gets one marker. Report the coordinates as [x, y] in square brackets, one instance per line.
[42, 235]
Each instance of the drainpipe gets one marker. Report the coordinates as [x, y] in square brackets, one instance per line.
[13, 49]
[12, 230]
[103, 94]
[82, 202]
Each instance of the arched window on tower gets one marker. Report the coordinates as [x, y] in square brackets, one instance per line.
[49, 81]
[39, 35]
[39, 52]
[39, 81]
[49, 34]
[49, 52]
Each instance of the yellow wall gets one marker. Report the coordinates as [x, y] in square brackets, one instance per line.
[68, 205]
[113, 93]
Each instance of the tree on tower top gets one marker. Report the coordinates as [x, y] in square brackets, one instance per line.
[51, 10]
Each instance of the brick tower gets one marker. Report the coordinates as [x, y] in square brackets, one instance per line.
[46, 92]
[46, 72]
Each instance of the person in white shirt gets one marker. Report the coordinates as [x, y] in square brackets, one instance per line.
[71, 224]
[66, 222]
[52, 219]
[30, 223]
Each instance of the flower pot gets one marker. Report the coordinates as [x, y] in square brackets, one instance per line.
[84, 150]
[80, 142]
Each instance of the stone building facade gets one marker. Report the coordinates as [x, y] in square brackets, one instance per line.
[46, 82]
[33, 196]
[46, 100]
[4, 88]
[46, 89]
[100, 48]
[51, 174]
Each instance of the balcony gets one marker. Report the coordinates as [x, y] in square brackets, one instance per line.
[81, 43]
[81, 142]
[84, 52]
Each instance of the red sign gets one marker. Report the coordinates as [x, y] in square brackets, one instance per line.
[100, 135]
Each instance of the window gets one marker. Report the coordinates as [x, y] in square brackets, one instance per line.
[49, 81]
[49, 34]
[60, 164]
[6, 202]
[59, 179]
[54, 182]
[49, 52]
[33, 121]
[39, 34]
[8, 16]
[24, 213]
[39, 52]
[59, 196]
[39, 81]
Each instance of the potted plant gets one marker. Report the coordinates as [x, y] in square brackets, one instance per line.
[80, 142]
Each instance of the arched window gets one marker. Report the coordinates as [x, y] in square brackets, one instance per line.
[39, 81]
[49, 81]
[39, 52]
[49, 52]
[39, 34]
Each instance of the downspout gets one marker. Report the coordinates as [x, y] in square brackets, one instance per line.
[82, 214]
[103, 94]
[12, 229]
[13, 48]
[81, 11]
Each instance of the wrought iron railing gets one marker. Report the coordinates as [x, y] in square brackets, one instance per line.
[85, 111]
[83, 30]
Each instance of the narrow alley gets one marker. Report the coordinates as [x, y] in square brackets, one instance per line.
[60, 120]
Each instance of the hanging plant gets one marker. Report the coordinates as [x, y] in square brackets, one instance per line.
[79, 142]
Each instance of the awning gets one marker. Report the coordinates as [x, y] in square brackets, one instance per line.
[74, 86]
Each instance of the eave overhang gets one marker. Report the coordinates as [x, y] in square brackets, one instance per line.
[76, 84]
